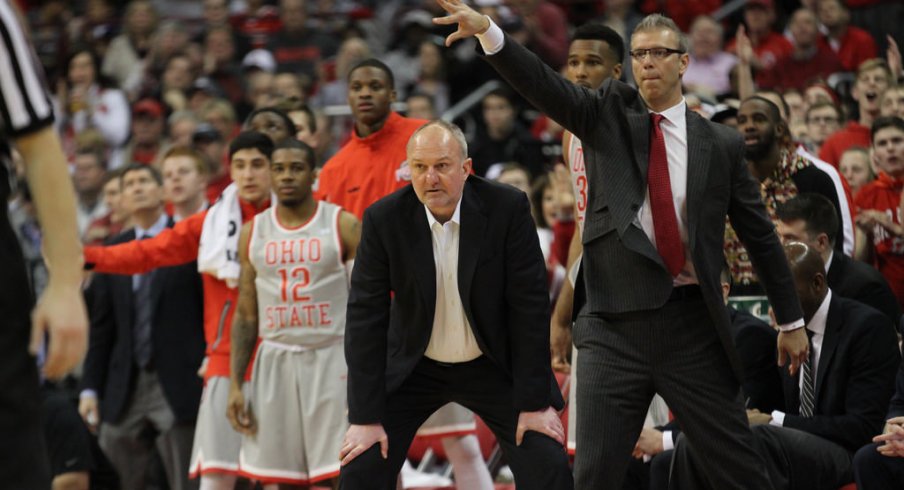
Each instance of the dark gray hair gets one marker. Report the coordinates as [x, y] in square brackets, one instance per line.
[655, 22]
[452, 129]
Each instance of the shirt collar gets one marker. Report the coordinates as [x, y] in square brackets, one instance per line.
[676, 113]
[817, 324]
[154, 229]
[829, 260]
[456, 216]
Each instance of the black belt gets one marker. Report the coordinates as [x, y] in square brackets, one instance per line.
[681, 293]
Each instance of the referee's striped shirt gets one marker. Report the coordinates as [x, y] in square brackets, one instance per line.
[24, 102]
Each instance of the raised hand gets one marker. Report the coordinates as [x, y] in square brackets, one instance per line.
[743, 46]
[469, 21]
[893, 56]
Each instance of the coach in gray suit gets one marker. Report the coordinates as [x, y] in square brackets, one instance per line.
[661, 182]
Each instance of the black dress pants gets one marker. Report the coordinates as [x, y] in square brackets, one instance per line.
[538, 463]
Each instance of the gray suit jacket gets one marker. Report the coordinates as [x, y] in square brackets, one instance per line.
[622, 270]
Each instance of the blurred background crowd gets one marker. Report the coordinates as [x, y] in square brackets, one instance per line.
[133, 79]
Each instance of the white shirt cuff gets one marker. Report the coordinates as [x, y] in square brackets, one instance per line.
[87, 394]
[778, 418]
[787, 327]
[492, 40]
[667, 443]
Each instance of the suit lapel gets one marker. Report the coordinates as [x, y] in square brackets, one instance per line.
[473, 226]
[422, 252]
[698, 162]
[829, 345]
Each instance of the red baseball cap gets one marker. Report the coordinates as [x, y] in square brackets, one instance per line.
[148, 107]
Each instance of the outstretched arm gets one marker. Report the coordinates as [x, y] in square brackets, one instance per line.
[575, 108]
[172, 246]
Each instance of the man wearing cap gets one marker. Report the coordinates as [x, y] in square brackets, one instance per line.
[147, 132]
[209, 142]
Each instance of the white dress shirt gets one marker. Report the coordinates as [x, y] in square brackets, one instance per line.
[817, 326]
[451, 339]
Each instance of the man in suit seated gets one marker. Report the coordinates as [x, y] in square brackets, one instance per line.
[880, 465]
[836, 404]
[811, 218]
[146, 344]
[448, 303]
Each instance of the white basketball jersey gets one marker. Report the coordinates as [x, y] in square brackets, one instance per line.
[302, 286]
[578, 174]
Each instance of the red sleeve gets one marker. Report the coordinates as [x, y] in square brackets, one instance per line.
[827, 152]
[324, 184]
[173, 246]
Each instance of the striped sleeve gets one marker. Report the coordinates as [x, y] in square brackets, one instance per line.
[24, 102]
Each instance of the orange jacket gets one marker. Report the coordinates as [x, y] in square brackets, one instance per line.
[366, 169]
[175, 246]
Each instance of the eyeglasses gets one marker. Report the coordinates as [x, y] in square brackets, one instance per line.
[823, 120]
[656, 53]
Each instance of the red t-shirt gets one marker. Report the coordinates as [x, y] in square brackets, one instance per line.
[854, 134]
[366, 169]
[854, 47]
[884, 194]
[790, 72]
[769, 50]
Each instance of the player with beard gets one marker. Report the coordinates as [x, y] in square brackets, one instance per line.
[296, 258]
[782, 173]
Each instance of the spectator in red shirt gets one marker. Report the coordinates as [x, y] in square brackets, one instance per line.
[768, 46]
[873, 79]
[810, 59]
[547, 30]
[148, 124]
[683, 12]
[258, 23]
[298, 47]
[852, 44]
[879, 213]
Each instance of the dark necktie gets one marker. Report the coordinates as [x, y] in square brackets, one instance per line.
[141, 333]
[808, 388]
[662, 206]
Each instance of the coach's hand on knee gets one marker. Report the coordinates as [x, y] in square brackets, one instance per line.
[544, 421]
[240, 416]
[359, 438]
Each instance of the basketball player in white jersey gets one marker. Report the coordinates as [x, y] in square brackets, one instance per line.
[293, 290]
[595, 55]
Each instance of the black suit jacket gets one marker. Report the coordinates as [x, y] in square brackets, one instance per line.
[755, 341]
[177, 337]
[501, 281]
[855, 377]
[622, 270]
[859, 281]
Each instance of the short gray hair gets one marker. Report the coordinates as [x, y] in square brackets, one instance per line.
[655, 22]
[451, 128]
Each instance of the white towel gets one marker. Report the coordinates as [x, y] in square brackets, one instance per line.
[218, 252]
